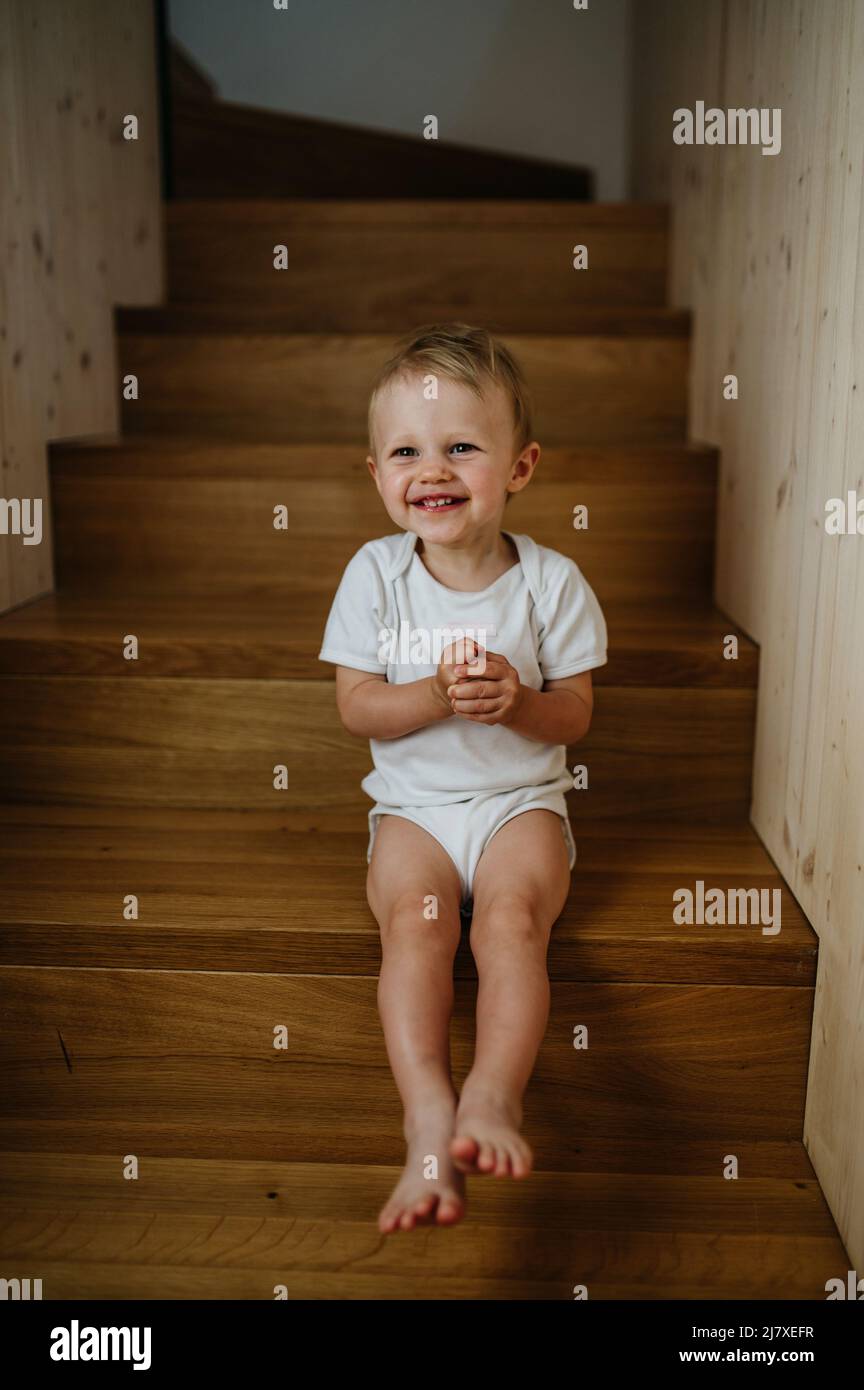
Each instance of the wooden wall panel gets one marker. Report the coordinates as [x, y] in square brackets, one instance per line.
[769, 254]
[80, 230]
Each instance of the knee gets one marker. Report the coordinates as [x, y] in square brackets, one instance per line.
[511, 920]
[415, 921]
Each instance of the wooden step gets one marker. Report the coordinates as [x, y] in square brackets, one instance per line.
[227, 636]
[183, 1062]
[223, 692]
[227, 151]
[264, 317]
[222, 1229]
[198, 517]
[670, 1010]
[120, 740]
[241, 378]
[366, 266]
[261, 891]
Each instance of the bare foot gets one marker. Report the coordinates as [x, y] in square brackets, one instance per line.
[486, 1138]
[420, 1201]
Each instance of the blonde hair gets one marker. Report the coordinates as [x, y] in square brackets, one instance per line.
[471, 356]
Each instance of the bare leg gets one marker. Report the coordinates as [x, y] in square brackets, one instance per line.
[520, 887]
[415, 1001]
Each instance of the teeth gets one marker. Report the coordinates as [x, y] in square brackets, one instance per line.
[439, 501]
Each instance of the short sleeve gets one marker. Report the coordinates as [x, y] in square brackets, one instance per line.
[572, 635]
[357, 623]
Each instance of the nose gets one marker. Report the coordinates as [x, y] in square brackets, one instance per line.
[434, 466]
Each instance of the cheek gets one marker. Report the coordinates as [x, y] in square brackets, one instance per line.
[394, 486]
[485, 488]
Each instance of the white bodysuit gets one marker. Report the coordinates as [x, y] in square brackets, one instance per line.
[459, 780]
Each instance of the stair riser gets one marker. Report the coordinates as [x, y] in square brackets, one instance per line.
[175, 1062]
[215, 743]
[308, 387]
[334, 276]
[651, 538]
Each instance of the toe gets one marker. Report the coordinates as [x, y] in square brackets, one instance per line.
[463, 1146]
[423, 1208]
[502, 1163]
[518, 1167]
[449, 1211]
[464, 1151]
[525, 1159]
[389, 1219]
[486, 1158]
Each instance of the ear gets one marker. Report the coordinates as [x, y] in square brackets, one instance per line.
[523, 467]
[373, 469]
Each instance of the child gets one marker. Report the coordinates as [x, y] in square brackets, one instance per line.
[469, 745]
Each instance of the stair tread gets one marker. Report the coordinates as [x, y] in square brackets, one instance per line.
[256, 893]
[259, 317]
[202, 1228]
[446, 212]
[183, 456]
[263, 635]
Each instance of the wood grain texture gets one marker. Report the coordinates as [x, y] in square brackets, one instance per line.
[268, 898]
[269, 317]
[359, 270]
[243, 1227]
[272, 386]
[216, 742]
[145, 1060]
[80, 225]
[768, 254]
[200, 519]
[277, 635]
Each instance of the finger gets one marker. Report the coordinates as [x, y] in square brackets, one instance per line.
[475, 706]
[463, 650]
[473, 690]
[495, 668]
[496, 656]
[480, 690]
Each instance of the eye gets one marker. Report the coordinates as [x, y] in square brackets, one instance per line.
[463, 444]
[403, 450]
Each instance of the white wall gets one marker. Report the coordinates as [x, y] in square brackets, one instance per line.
[533, 77]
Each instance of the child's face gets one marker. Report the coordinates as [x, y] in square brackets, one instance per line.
[444, 467]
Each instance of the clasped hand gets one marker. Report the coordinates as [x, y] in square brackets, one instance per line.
[478, 684]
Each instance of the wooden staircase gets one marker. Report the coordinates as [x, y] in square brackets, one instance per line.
[222, 149]
[153, 1036]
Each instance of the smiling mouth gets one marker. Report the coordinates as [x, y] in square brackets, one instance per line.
[440, 502]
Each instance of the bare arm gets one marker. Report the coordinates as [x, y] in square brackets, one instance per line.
[559, 713]
[371, 707]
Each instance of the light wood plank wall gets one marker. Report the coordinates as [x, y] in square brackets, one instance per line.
[80, 231]
[769, 253]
